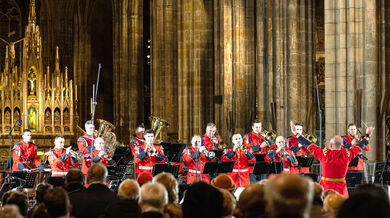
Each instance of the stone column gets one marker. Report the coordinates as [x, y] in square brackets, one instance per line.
[195, 68]
[164, 71]
[128, 65]
[355, 53]
[82, 58]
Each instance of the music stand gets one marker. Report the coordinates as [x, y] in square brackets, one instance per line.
[163, 167]
[263, 167]
[354, 178]
[354, 162]
[218, 154]
[173, 151]
[259, 157]
[218, 167]
[112, 172]
[56, 181]
[122, 155]
[28, 177]
[304, 162]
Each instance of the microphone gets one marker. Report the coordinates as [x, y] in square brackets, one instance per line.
[19, 122]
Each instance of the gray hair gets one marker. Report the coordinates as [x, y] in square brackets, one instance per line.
[154, 195]
[128, 190]
[97, 173]
[211, 125]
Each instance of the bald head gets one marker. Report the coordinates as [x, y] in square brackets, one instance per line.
[99, 144]
[252, 199]
[335, 143]
[97, 173]
[128, 190]
[289, 194]
[332, 203]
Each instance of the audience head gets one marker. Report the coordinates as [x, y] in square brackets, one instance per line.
[41, 190]
[365, 204]
[39, 211]
[378, 189]
[10, 211]
[129, 190]
[335, 143]
[251, 200]
[327, 192]
[144, 177]
[201, 200]
[224, 181]
[229, 203]
[170, 184]
[317, 193]
[19, 199]
[97, 173]
[74, 176]
[154, 197]
[289, 194]
[332, 204]
[263, 182]
[57, 202]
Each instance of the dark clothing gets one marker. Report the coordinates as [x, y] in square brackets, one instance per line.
[122, 208]
[74, 187]
[151, 215]
[92, 201]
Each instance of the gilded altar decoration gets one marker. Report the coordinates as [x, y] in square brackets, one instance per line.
[40, 97]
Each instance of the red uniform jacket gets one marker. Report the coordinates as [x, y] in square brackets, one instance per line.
[24, 155]
[208, 143]
[83, 142]
[253, 141]
[135, 143]
[242, 160]
[195, 161]
[144, 161]
[334, 164]
[96, 159]
[60, 162]
[347, 140]
[289, 162]
[293, 146]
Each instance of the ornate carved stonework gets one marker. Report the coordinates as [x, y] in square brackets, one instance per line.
[42, 100]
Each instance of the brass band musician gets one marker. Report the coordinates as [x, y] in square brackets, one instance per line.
[138, 139]
[210, 140]
[99, 155]
[60, 158]
[24, 154]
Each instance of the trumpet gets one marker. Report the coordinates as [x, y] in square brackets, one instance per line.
[106, 155]
[76, 154]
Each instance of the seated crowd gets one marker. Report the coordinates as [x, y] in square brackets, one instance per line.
[285, 195]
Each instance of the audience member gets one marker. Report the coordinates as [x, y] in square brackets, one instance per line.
[263, 182]
[289, 195]
[39, 211]
[57, 202]
[127, 205]
[251, 202]
[153, 200]
[74, 181]
[92, 201]
[332, 204]
[328, 192]
[170, 183]
[316, 208]
[202, 200]
[362, 203]
[40, 191]
[229, 204]
[19, 199]
[224, 181]
[10, 211]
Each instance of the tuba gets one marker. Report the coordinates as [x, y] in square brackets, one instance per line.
[105, 132]
[157, 124]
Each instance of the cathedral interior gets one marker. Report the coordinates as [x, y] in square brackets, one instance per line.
[322, 63]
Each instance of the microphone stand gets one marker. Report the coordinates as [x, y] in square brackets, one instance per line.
[17, 123]
[282, 152]
[319, 113]
[94, 103]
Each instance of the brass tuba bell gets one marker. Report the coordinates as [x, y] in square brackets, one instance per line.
[105, 132]
[157, 124]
